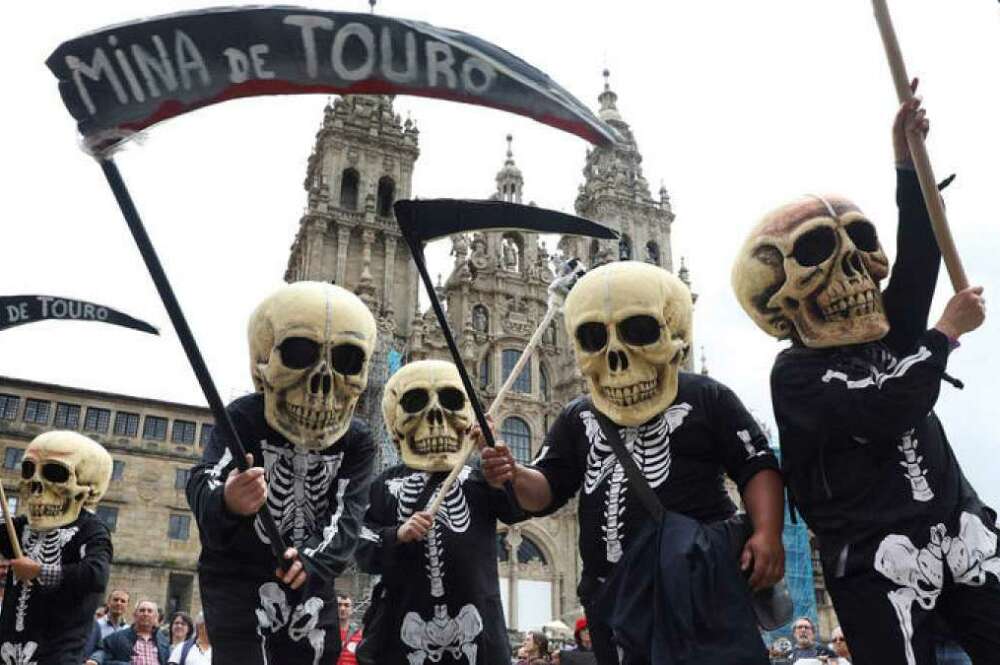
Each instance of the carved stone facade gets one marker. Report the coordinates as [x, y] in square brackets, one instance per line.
[153, 444]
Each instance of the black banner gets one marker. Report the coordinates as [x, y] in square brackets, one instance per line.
[18, 310]
[128, 77]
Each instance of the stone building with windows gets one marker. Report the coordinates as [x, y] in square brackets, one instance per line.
[153, 444]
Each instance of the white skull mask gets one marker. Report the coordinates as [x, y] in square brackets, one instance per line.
[62, 472]
[811, 269]
[428, 414]
[310, 346]
[631, 327]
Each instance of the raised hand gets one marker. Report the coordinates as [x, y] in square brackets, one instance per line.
[498, 465]
[965, 311]
[911, 119]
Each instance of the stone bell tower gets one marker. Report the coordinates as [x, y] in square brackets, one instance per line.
[361, 163]
[615, 193]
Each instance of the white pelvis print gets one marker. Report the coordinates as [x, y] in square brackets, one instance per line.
[457, 635]
[649, 445]
[298, 483]
[920, 572]
[274, 615]
[18, 654]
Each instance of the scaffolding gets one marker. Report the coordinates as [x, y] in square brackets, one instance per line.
[798, 573]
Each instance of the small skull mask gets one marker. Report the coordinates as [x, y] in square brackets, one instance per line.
[631, 326]
[61, 473]
[811, 270]
[428, 414]
[310, 346]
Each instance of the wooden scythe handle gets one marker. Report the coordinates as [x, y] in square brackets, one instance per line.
[922, 162]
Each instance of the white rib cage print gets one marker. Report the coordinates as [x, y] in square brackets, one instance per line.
[649, 446]
[298, 485]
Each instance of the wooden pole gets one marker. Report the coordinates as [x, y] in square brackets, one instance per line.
[921, 160]
[11, 532]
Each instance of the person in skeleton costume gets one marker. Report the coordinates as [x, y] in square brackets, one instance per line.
[55, 587]
[440, 573]
[631, 326]
[902, 534]
[310, 345]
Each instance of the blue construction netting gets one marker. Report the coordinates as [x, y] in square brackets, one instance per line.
[798, 573]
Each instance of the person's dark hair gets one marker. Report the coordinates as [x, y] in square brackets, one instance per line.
[541, 642]
[187, 620]
[807, 620]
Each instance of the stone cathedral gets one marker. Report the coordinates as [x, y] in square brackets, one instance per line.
[362, 161]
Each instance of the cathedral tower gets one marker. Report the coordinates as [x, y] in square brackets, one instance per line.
[361, 163]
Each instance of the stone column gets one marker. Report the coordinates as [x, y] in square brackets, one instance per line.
[390, 270]
[514, 542]
[343, 238]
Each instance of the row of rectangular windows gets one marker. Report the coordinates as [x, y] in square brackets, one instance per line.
[12, 457]
[67, 416]
[178, 526]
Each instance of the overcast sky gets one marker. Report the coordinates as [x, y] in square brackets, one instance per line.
[736, 106]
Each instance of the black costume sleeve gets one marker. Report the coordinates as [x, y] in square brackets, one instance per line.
[92, 572]
[502, 505]
[817, 392]
[5, 546]
[328, 553]
[740, 445]
[205, 489]
[377, 545]
[559, 462]
[907, 299]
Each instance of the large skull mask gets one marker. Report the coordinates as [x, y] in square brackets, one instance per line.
[62, 472]
[811, 269]
[428, 414]
[310, 346]
[631, 326]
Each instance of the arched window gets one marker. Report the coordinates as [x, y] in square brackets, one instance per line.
[522, 383]
[349, 181]
[386, 196]
[485, 373]
[517, 435]
[624, 248]
[528, 551]
[543, 381]
[653, 253]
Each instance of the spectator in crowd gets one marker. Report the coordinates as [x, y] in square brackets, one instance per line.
[535, 646]
[195, 651]
[839, 645]
[581, 633]
[108, 618]
[582, 652]
[181, 628]
[350, 634]
[781, 651]
[116, 612]
[804, 632]
[139, 644]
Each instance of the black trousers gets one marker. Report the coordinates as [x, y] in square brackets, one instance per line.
[951, 576]
[269, 624]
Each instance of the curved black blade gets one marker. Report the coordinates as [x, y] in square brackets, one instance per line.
[18, 310]
[427, 219]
